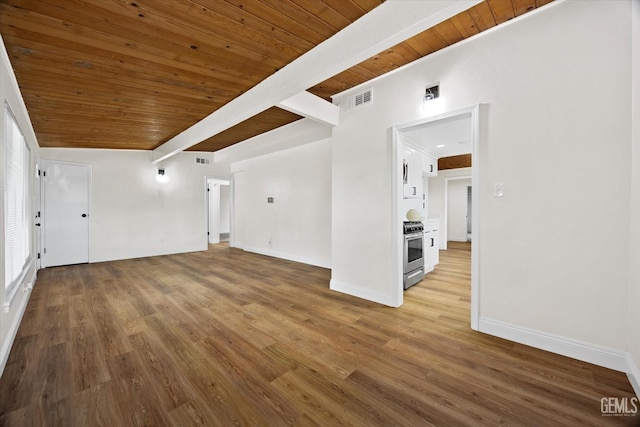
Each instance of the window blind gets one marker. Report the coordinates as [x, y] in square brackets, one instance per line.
[16, 201]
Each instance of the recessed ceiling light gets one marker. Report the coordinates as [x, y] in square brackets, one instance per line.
[440, 146]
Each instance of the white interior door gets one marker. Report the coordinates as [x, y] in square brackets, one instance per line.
[65, 214]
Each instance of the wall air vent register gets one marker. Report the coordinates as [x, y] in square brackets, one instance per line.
[360, 99]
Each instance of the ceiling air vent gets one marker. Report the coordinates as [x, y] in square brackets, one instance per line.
[361, 99]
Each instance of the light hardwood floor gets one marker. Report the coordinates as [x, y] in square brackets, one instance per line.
[226, 338]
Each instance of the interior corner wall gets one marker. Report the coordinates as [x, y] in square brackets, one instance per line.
[633, 334]
[297, 224]
[553, 255]
[133, 215]
[11, 312]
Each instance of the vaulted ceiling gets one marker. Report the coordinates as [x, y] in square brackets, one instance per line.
[133, 74]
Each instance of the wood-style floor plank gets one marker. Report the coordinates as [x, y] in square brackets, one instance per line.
[225, 337]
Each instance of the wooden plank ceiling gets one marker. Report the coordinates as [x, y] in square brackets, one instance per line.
[133, 74]
[454, 162]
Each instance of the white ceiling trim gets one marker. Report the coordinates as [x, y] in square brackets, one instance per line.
[385, 26]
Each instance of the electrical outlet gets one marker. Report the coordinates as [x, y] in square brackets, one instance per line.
[498, 190]
[270, 243]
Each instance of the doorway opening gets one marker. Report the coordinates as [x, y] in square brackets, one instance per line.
[218, 196]
[457, 210]
[421, 136]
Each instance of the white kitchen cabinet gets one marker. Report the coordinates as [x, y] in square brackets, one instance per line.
[429, 165]
[412, 174]
[431, 245]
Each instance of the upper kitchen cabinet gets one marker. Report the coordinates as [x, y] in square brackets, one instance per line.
[429, 165]
[412, 174]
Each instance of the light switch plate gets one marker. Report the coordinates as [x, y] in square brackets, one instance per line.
[498, 190]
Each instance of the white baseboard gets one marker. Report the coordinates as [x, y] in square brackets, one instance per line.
[633, 373]
[580, 350]
[457, 238]
[146, 254]
[15, 324]
[287, 256]
[356, 291]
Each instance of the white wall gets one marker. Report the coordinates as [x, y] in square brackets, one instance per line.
[546, 139]
[12, 310]
[634, 255]
[297, 225]
[131, 213]
[362, 260]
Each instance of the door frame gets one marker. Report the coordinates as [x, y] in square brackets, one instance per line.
[38, 232]
[43, 222]
[469, 211]
[207, 194]
[397, 201]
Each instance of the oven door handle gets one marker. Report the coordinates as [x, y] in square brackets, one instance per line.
[415, 273]
[414, 236]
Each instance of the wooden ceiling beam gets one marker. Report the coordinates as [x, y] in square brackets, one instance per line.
[385, 26]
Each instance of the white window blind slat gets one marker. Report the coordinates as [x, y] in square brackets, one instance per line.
[16, 201]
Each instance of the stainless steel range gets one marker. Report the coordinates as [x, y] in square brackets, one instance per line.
[413, 257]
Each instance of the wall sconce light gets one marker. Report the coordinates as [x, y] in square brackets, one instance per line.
[161, 177]
[432, 92]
